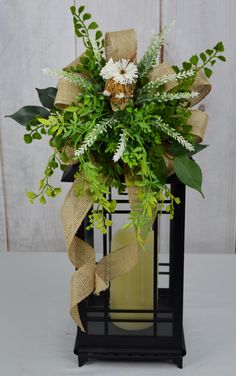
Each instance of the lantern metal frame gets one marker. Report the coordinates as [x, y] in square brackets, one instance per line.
[165, 339]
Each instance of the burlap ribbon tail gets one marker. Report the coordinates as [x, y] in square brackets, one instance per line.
[89, 276]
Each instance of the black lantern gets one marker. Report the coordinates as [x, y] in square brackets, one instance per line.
[163, 339]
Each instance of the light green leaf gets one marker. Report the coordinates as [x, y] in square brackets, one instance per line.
[42, 200]
[44, 121]
[71, 109]
[41, 184]
[177, 200]
[57, 190]
[48, 191]
[30, 195]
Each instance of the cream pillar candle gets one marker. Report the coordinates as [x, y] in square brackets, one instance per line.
[133, 290]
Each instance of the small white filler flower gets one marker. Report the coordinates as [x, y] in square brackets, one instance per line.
[122, 71]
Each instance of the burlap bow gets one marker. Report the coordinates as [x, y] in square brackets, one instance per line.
[91, 277]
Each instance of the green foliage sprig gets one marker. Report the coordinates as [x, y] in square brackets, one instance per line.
[93, 60]
[204, 60]
[98, 190]
[45, 188]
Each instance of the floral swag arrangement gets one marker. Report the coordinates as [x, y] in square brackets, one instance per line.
[127, 125]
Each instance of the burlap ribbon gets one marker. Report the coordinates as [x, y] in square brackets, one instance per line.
[89, 276]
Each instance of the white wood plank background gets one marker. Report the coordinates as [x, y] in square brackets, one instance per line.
[3, 234]
[210, 223]
[39, 33]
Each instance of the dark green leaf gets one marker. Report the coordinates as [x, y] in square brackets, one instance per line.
[209, 52]
[84, 60]
[93, 25]
[86, 16]
[79, 34]
[73, 9]
[98, 35]
[203, 57]
[63, 167]
[208, 72]
[57, 142]
[187, 65]
[79, 25]
[27, 138]
[89, 53]
[28, 113]
[47, 96]
[222, 58]
[176, 69]
[81, 9]
[161, 171]
[219, 47]
[177, 149]
[188, 172]
[198, 148]
[194, 59]
[36, 136]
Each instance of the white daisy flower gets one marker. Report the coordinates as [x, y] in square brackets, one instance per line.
[122, 71]
[109, 70]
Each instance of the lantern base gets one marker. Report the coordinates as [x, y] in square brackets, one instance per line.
[134, 354]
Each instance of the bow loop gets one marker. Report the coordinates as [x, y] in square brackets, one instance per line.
[121, 45]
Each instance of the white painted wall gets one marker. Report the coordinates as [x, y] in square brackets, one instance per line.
[39, 33]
